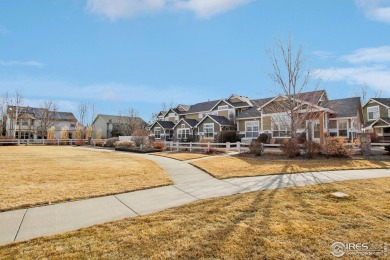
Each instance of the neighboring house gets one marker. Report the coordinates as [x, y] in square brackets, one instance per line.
[30, 120]
[162, 130]
[251, 117]
[376, 113]
[111, 125]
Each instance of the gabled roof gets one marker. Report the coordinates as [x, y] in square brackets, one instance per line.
[191, 122]
[385, 120]
[383, 101]
[185, 107]
[249, 113]
[346, 107]
[221, 120]
[39, 113]
[164, 124]
[202, 107]
[163, 113]
[113, 119]
[245, 100]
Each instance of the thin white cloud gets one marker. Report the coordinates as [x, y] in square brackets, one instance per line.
[376, 77]
[377, 10]
[21, 63]
[324, 54]
[369, 55]
[118, 9]
[208, 8]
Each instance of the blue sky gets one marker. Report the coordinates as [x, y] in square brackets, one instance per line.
[133, 53]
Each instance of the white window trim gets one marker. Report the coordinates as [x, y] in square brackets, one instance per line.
[180, 133]
[246, 128]
[159, 130]
[204, 127]
[368, 113]
[338, 129]
[223, 107]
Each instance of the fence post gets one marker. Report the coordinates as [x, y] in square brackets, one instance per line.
[58, 141]
[190, 146]
[43, 141]
[18, 141]
[170, 146]
[239, 147]
[227, 146]
[177, 146]
[28, 142]
[208, 146]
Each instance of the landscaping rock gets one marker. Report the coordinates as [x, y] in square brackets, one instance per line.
[339, 195]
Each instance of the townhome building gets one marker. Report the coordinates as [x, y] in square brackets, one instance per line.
[32, 122]
[317, 116]
[376, 113]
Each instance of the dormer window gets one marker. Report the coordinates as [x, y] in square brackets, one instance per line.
[223, 107]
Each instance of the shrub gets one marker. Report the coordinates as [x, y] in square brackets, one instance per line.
[79, 142]
[387, 148]
[302, 138]
[124, 143]
[311, 148]
[140, 137]
[375, 138]
[337, 146]
[159, 145]
[99, 143]
[256, 148]
[290, 148]
[264, 138]
[212, 151]
[227, 136]
[111, 141]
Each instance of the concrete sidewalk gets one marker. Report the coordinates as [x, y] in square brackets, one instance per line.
[190, 184]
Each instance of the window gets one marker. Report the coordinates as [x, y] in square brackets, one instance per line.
[281, 125]
[208, 130]
[171, 115]
[373, 113]
[183, 133]
[252, 129]
[25, 122]
[157, 132]
[225, 107]
[343, 128]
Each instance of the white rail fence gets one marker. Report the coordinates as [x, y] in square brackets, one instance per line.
[236, 147]
[48, 142]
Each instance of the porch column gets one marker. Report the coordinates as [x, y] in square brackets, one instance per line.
[322, 118]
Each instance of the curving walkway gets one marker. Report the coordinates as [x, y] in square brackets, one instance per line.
[190, 184]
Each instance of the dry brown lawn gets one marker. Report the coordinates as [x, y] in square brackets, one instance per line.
[181, 156]
[229, 167]
[36, 175]
[295, 223]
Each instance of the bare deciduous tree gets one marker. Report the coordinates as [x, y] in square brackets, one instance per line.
[292, 77]
[48, 112]
[15, 105]
[82, 112]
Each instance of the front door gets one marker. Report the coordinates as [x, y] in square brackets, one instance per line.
[314, 130]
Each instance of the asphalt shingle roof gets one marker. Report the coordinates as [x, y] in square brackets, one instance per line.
[346, 107]
[221, 120]
[200, 107]
[384, 101]
[166, 124]
[191, 122]
[117, 119]
[38, 113]
[249, 113]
